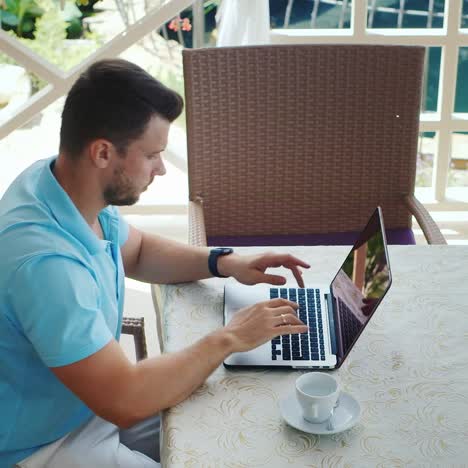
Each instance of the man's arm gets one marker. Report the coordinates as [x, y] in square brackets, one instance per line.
[153, 259]
[125, 393]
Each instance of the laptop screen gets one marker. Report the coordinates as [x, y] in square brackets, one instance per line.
[361, 283]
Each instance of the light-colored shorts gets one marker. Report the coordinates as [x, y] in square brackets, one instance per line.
[99, 443]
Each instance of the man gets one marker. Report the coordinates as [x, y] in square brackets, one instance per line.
[69, 397]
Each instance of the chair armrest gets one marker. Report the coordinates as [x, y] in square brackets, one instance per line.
[197, 231]
[429, 227]
[158, 309]
[136, 327]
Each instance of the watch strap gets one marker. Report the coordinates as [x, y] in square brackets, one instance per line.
[213, 260]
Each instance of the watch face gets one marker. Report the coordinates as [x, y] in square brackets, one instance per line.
[225, 250]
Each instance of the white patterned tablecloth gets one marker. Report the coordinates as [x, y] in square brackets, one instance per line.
[409, 371]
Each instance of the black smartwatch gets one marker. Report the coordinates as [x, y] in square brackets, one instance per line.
[213, 260]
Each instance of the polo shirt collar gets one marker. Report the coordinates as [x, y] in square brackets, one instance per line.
[64, 210]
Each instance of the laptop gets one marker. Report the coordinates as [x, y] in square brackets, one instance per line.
[336, 314]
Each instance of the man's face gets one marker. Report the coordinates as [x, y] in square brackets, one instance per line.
[134, 172]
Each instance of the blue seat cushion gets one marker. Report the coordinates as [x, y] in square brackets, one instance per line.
[394, 236]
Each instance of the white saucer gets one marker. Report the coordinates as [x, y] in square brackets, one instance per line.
[346, 415]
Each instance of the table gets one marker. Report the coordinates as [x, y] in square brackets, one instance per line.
[408, 370]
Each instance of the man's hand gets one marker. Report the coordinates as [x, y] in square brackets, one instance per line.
[250, 269]
[257, 324]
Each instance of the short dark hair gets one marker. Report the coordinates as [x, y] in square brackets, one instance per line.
[114, 99]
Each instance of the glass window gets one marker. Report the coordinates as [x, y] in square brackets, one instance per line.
[306, 14]
[430, 97]
[411, 14]
[464, 18]
[461, 92]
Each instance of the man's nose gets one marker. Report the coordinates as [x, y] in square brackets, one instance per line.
[160, 169]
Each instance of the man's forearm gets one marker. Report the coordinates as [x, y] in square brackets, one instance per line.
[165, 261]
[162, 382]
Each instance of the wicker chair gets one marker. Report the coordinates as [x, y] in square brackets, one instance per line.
[136, 327]
[297, 144]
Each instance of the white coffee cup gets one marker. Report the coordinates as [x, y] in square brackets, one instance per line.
[317, 393]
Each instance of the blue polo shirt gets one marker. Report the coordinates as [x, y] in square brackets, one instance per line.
[61, 300]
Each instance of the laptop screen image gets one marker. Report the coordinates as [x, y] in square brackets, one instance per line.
[360, 284]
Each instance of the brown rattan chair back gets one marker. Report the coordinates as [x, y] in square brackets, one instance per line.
[293, 139]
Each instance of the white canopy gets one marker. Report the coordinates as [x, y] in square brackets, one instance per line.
[243, 22]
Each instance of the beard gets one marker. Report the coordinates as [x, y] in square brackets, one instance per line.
[121, 191]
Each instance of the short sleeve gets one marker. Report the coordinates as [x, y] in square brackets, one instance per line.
[116, 219]
[123, 229]
[56, 302]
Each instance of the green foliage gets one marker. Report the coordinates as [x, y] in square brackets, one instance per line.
[73, 17]
[19, 16]
[49, 42]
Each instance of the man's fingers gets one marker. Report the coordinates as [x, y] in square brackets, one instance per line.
[291, 329]
[278, 302]
[282, 260]
[287, 319]
[283, 310]
[298, 262]
[286, 260]
[276, 280]
[289, 261]
[298, 275]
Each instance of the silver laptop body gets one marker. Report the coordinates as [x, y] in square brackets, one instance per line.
[336, 314]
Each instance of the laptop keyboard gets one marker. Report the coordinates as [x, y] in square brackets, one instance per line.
[301, 346]
[350, 325]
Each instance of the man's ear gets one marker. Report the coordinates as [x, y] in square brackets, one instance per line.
[101, 152]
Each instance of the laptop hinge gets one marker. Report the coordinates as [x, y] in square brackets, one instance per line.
[331, 323]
